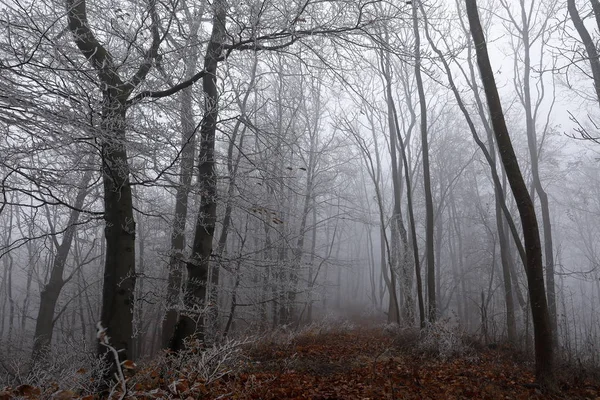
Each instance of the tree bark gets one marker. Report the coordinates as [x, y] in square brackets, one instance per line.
[386, 251]
[429, 228]
[119, 232]
[188, 147]
[44, 326]
[534, 267]
[399, 260]
[192, 321]
[532, 143]
[119, 269]
[588, 42]
[412, 222]
[499, 193]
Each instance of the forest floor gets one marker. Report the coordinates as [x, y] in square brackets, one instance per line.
[354, 363]
[372, 364]
[375, 363]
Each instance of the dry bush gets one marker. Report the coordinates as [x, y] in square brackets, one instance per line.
[187, 373]
[405, 338]
[70, 367]
[444, 340]
[441, 340]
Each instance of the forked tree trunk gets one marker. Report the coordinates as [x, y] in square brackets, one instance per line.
[412, 222]
[386, 249]
[119, 269]
[401, 261]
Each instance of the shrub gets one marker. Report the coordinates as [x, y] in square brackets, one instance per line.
[443, 340]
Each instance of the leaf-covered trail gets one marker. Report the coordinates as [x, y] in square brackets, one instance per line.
[370, 364]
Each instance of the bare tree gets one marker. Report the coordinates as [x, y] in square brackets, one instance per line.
[119, 275]
[501, 206]
[44, 326]
[188, 150]
[429, 231]
[534, 27]
[192, 320]
[534, 267]
[588, 42]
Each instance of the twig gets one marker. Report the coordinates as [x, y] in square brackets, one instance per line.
[104, 340]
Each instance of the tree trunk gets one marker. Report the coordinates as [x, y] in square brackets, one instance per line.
[192, 322]
[534, 267]
[311, 271]
[313, 132]
[511, 325]
[232, 170]
[42, 337]
[535, 171]
[139, 315]
[411, 216]
[188, 147]
[386, 251]
[588, 42]
[429, 247]
[119, 269]
[499, 192]
[399, 260]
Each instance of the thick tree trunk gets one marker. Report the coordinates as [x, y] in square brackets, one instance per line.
[192, 321]
[534, 267]
[119, 268]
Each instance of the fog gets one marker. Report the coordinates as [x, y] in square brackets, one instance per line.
[221, 169]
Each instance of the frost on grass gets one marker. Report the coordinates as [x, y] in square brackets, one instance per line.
[66, 367]
[72, 375]
[285, 335]
[443, 340]
[187, 373]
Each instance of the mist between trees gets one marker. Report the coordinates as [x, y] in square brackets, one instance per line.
[211, 169]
